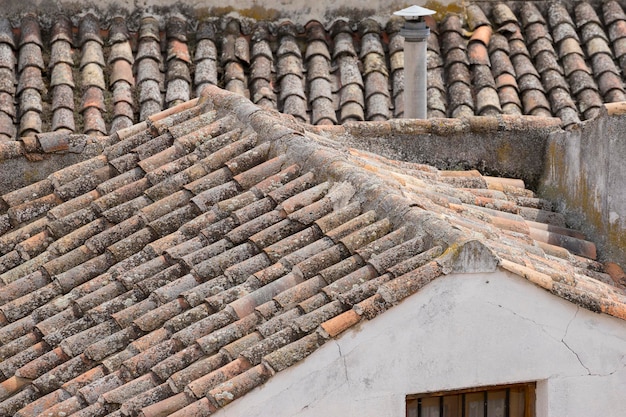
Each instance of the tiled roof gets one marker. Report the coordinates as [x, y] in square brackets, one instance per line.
[89, 75]
[218, 243]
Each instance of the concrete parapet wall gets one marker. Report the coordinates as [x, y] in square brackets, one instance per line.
[501, 146]
[31, 159]
[585, 175]
[298, 11]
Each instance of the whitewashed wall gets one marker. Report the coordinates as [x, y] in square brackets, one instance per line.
[459, 331]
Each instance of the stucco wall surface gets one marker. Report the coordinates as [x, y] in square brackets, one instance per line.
[515, 154]
[25, 170]
[460, 331]
[299, 11]
[21, 172]
[585, 175]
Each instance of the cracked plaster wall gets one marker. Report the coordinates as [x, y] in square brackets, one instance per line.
[459, 331]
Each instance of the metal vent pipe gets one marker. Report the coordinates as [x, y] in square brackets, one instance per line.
[415, 32]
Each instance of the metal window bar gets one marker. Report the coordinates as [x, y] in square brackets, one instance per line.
[507, 408]
[528, 401]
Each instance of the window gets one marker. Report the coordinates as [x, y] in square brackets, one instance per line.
[499, 401]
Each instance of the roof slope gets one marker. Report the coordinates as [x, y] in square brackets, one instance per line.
[218, 243]
[531, 58]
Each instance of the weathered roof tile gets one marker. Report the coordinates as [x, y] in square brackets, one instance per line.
[89, 29]
[189, 214]
[6, 32]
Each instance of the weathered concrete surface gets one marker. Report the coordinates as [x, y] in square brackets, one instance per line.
[19, 172]
[481, 143]
[585, 175]
[459, 331]
[299, 11]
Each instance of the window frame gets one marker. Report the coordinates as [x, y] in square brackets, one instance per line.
[530, 389]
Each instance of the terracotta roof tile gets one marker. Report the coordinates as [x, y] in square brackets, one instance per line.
[91, 53]
[612, 12]
[30, 55]
[596, 46]
[30, 31]
[200, 407]
[8, 81]
[311, 83]
[213, 255]
[122, 71]
[29, 78]
[92, 75]
[149, 49]
[89, 29]
[16, 402]
[93, 97]
[118, 30]
[570, 46]
[6, 32]
[62, 75]
[542, 44]
[537, 32]
[44, 403]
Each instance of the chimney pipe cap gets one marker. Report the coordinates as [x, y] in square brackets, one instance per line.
[414, 12]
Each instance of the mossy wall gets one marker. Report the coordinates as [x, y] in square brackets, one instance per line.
[19, 172]
[585, 174]
[458, 144]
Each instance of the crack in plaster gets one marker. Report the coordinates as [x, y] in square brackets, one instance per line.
[562, 341]
[343, 361]
[589, 373]
[317, 399]
[568, 346]
[541, 326]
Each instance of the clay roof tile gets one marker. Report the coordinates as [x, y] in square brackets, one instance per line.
[564, 31]
[91, 53]
[593, 30]
[92, 75]
[118, 30]
[30, 77]
[502, 14]
[6, 32]
[585, 14]
[78, 375]
[537, 32]
[7, 57]
[30, 31]
[293, 352]
[7, 83]
[30, 55]
[89, 30]
[612, 12]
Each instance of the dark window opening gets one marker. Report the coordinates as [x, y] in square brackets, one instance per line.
[499, 401]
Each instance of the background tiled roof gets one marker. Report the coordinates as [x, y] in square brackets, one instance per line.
[216, 244]
[92, 75]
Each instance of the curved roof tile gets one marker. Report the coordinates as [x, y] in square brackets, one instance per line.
[157, 57]
[218, 243]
